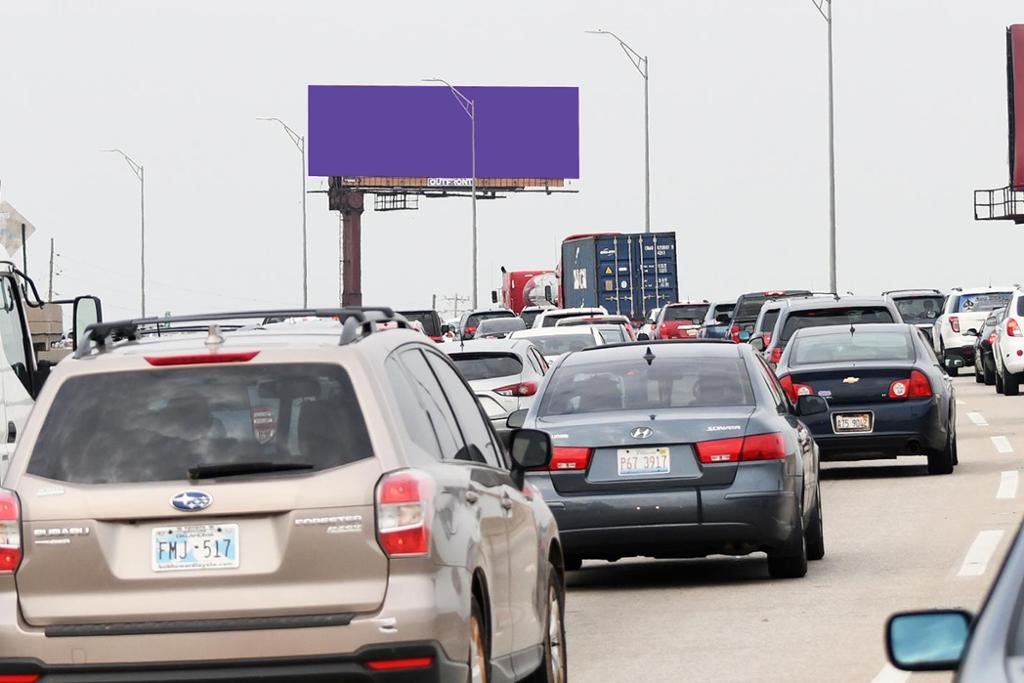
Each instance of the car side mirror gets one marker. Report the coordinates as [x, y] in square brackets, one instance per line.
[972, 332]
[494, 296]
[927, 641]
[811, 405]
[548, 294]
[643, 336]
[87, 311]
[530, 449]
[517, 418]
[757, 343]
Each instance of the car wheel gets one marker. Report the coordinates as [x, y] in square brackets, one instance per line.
[1011, 384]
[978, 376]
[789, 563]
[573, 564]
[816, 532]
[479, 646]
[998, 380]
[553, 668]
[988, 367]
[942, 461]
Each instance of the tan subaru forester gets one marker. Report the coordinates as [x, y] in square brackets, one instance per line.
[313, 499]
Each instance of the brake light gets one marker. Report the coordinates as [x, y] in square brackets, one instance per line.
[954, 322]
[19, 678]
[734, 332]
[470, 330]
[403, 513]
[10, 532]
[394, 664]
[521, 389]
[663, 330]
[1013, 329]
[795, 391]
[992, 339]
[920, 387]
[899, 389]
[202, 358]
[565, 458]
[777, 355]
[766, 338]
[745, 449]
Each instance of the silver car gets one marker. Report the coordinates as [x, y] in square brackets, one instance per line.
[503, 373]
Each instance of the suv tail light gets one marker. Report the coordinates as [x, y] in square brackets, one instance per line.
[777, 356]
[10, 532]
[917, 386]
[954, 322]
[734, 332]
[521, 389]
[795, 391]
[470, 330]
[766, 338]
[403, 513]
[1013, 328]
[394, 664]
[742, 449]
[565, 458]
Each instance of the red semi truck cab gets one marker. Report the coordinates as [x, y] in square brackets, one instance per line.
[522, 288]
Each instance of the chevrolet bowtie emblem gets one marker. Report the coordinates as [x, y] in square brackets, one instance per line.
[851, 380]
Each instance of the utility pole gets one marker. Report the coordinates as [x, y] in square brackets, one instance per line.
[824, 8]
[140, 173]
[433, 302]
[50, 294]
[455, 301]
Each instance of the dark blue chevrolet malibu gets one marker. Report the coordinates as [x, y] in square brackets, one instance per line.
[678, 449]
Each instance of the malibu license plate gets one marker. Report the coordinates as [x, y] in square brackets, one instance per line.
[198, 546]
[851, 423]
[644, 461]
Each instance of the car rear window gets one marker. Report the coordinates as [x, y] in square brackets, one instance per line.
[920, 309]
[551, 320]
[487, 365]
[749, 306]
[695, 313]
[844, 347]
[474, 320]
[529, 316]
[982, 301]
[768, 320]
[155, 425]
[557, 344]
[724, 308]
[428, 319]
[603, 386]
[845, 315]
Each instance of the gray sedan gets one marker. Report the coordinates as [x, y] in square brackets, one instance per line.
[678, 449]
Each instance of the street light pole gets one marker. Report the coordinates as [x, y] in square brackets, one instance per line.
[469, 106]
[300, 143]
[822, 6]
[642, 65]
[140, 173]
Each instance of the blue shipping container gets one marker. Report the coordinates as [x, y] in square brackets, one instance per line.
[628, 274]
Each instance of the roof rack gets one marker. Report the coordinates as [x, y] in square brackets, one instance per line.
[914, 289]
[357, 322]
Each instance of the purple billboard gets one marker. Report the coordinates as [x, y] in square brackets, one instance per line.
[423, 132]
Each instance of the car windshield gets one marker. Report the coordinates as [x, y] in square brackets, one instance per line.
[474, 320]
[557, 344]
[982, 301]
[695, 313]
[602, 386]
[920, 309]
[156, 425]
[487, 365]
[844, 347]
[837, 315]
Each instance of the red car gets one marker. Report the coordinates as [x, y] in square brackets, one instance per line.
[681, 320]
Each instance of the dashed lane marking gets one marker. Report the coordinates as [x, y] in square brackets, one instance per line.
[978, 419]
[1002, 444]
[980, 553]
[1008, 485]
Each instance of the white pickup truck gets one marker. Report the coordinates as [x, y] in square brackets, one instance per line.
[963, 315]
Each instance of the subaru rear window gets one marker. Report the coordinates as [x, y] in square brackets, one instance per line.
[157, 425]
[694, 313]
[487, 365]
[983, 301]
[844, 347]
[696, 382]
[846, 315]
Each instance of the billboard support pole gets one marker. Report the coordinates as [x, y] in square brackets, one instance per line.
[352, 224]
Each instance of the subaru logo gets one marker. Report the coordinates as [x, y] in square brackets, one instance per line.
[641, 432]
[191, 501]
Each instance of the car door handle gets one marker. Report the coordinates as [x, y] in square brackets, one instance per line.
[472, 497]
[12, 432]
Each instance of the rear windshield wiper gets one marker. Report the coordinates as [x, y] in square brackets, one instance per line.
[239, 468]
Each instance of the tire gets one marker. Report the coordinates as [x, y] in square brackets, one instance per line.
[989, 370]
[553, 668]
[998, 379]
[1011, 384]
[573, 564]
[479, 646]
[942, 462]
[815, 533]
[789, 563]
[978, 376]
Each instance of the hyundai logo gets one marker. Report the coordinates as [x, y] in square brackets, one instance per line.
[641, 432]
[191, 501]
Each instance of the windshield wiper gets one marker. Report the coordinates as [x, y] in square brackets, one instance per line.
[235, 469]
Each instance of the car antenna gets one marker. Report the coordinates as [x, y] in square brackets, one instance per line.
[649, 356]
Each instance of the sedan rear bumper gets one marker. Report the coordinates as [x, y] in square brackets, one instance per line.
[911, 427]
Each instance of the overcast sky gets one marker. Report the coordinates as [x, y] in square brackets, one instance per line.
[738, 142]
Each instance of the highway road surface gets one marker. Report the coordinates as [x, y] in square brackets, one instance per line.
[895, 539]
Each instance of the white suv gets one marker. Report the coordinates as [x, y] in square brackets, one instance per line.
[1008, 347]
[963, 315]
